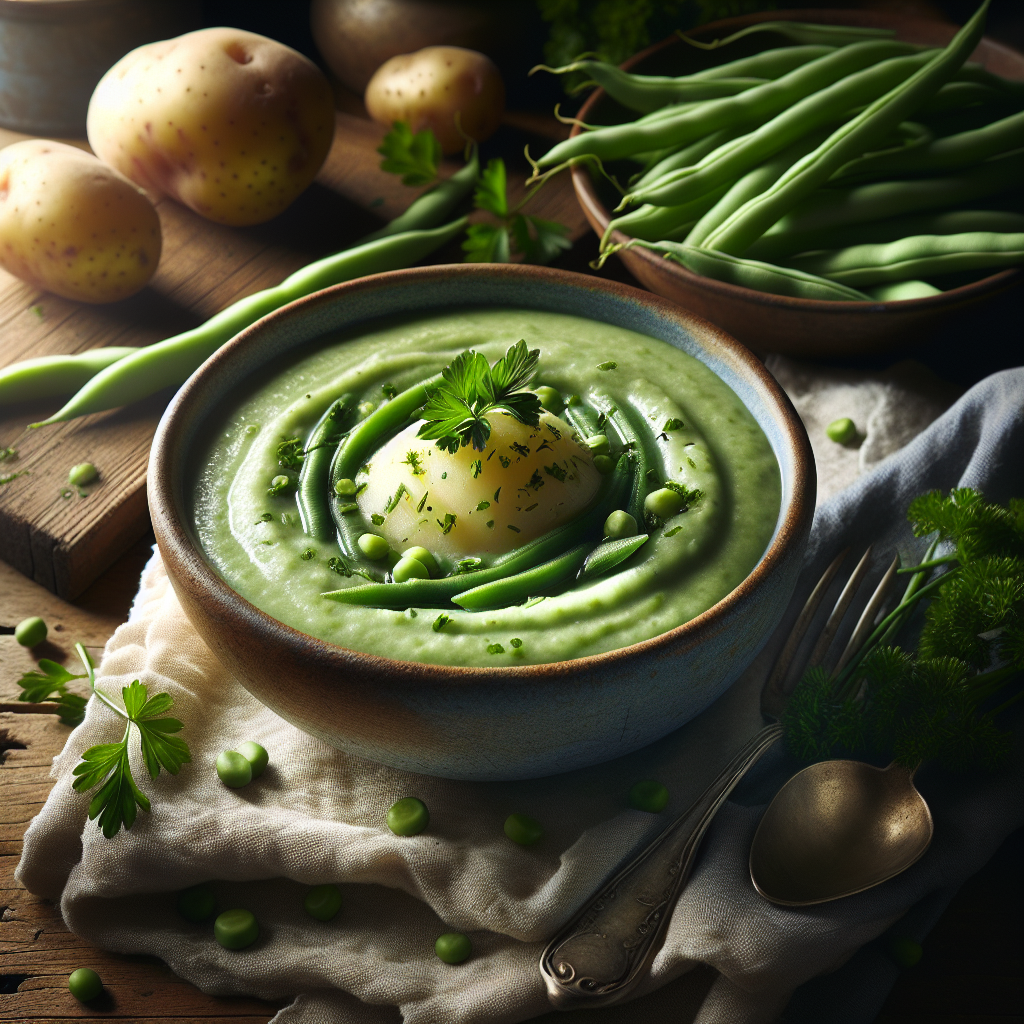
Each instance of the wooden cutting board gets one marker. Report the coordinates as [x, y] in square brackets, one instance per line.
[64, 543]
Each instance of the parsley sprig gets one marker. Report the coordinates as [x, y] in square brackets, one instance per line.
[106, 765]
[935, 703]
[456, 412]
[49, 682]
[415, 157]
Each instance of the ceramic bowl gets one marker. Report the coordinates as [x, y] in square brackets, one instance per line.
[778, 323]
[481, 723]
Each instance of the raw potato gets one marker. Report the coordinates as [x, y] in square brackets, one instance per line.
[228, 122]
[426, 89]
[73, 225]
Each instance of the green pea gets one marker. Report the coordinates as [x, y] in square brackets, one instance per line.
[604, 464]
[375, 548]
[453, 947]
[842, 431]
[30, 632]
[619, 524]
[598, 444]
[425, 558]
[197, 903]
[236, 929]
[550, 399]
[84, 984]
[344, 487]
[408, 817]
[256, 755]
[82, 474]
[906, 952]
[523, 830]
[663, 502]
[648, 796]
[407, 568]
[234, 769]
[323, 902]
[279, 483]
[365, 408]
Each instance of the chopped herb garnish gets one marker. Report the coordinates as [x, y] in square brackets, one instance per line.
[536, 481]
[489, 524]
[412, 460]
[278, 485]
[307, 554]
[609, 365]
[422, 502]
[8, 453]
[482, 505]
[265, 518]
[556, 471]
[530, 508]
[516, 642]
[573, 400]
[520, 449]
[495, 649]
[464, 565]
[689, 497]
[444, 476]
[393, 502]
[544, 444]
[449, 522]
[673, 531]
[505, 461]
[532, 601]
[555, 431]
[361, 487]
[456, 411]
[377, 519]
[496, 493]
[440, 622]
[290, 453]
[389, 390]
[477, 468]
[348, 508]
[514, 528]
[673, 424]
[693, 465]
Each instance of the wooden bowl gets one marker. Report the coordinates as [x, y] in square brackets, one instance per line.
[480, 723]
[778, 323]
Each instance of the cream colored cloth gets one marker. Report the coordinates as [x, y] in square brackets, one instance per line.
[317, 815]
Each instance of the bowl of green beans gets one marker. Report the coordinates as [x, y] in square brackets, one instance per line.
[840, 184]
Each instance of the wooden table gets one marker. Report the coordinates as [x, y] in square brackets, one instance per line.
[970, 973]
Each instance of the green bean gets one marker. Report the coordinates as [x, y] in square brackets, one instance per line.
[578, 416]
[50, 376]
[606, 556]
[786, 129]
[761, 277]
[751, 106]
[855, 137]
[687, 156]
[767, 64]
[631, 440]
[955, 95]
[921, 256]
[312, 494]
[900, 291]
[971, 72]
[438, 593]
[812, 222]
[946, 154]
[434, 207]
[172, 361]
[799, 32]
[652, 92]
[654, 223]
[774, 247]
[513, 589]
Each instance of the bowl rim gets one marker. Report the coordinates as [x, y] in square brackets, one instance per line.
[183, 554]
[588, 199]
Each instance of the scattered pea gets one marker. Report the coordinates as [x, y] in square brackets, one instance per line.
[598, 444]
[256, 755]
[374, 547]
[906, 952]
[523, 830]
[345, 487]
[197, 903]
[619, 524]
[30, 632]
[407, 568]
[408, 817]
[842, 431]
[663, 502]
[550, 399]
[648, 796]
[604, 464]
[453, 947]
[279, 483]
[236, 929]
[425, 558]
[323, 902]
[84, 984]
[365, 408]
[82, 474]
[234, 769]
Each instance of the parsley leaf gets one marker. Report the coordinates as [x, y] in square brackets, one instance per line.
[540, 241]
[490, 193]
[414, 157]
[487, 243]
[50, 680]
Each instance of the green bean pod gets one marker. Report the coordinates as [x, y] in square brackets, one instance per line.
[786, 129]
[631, 440]
[971, 72]
[606, 556]
[50, 376]
[313, 493]
[578, 417]
[438, 593]
[800, 32]
[957, 95]
[761, 277]
[687, 156]
[855, 137]
[435, 206]
[655, 223]
[900, 291]
[768, 64]
[171, 362]
[513, 589]
[748, 107]
[921, 256]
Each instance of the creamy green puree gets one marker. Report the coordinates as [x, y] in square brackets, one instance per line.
[256, 542]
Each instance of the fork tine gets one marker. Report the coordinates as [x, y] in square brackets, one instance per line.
[866, 622]
[839, 612]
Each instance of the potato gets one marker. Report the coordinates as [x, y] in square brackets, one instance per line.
[428, 88]
[73, 225]
[228, 122]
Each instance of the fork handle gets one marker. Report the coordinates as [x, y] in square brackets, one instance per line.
[604, 950]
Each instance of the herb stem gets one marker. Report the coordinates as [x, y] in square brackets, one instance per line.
[987, 684]
[930, 563]
[90, 671]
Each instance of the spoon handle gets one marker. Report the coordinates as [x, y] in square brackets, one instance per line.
[604, 950]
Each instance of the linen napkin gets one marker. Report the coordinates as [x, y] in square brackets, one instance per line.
[317, 815]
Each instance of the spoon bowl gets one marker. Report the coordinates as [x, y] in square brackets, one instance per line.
[838, 828]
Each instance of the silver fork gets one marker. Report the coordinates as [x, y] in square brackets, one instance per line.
[606, 948]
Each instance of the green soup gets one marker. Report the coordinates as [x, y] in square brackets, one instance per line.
[695, 431]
